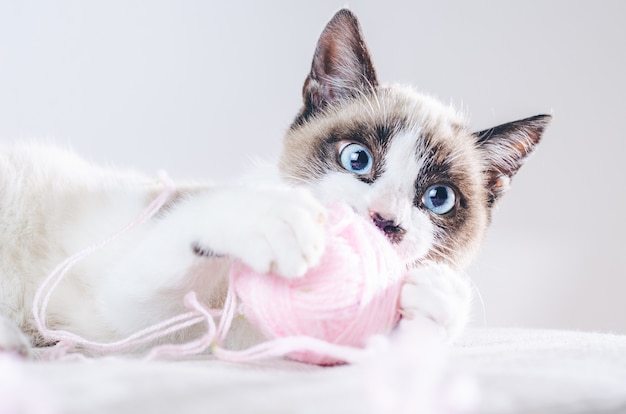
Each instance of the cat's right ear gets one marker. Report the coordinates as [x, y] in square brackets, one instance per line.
[506, 147]
[342, 67]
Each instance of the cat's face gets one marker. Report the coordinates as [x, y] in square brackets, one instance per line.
[403, 160]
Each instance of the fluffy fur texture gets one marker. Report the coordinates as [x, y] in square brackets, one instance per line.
[400, 159]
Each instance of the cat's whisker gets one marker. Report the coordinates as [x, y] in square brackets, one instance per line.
[364, 96]
[365, 99]
[295, 179]
[447, 252]
[483, 306]
[370, 108]
[372, 93]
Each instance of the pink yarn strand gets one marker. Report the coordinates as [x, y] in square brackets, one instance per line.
[228, 314]
[193, 347]
[49, 285]
[42, 296]
[294, 344]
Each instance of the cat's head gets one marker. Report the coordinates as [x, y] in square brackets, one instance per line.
[404, 160]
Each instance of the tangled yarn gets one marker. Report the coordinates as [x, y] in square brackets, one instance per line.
[349, 296]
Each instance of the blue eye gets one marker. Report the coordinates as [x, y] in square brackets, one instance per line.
[440, 199]
[356, 158]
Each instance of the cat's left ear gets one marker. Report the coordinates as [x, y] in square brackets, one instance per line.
[341, 67]
[505, 149]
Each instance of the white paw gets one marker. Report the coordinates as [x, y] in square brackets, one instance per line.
[12, 340]
[439, 293]
[278, 230]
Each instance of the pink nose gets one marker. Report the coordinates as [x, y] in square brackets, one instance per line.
[389, 227]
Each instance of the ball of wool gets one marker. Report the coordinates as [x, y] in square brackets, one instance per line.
[349, 296]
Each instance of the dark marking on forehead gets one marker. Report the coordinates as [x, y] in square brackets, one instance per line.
[437, 167]
[384, 132]
[368, 132]
[375, 137]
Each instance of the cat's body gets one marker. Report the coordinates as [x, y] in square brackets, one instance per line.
[401, 159]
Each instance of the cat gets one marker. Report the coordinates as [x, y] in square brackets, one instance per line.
[401, 159]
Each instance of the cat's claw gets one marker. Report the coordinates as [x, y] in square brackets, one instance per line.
[440, 293]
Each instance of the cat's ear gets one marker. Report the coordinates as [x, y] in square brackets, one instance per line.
[342, 67]
[505, 149]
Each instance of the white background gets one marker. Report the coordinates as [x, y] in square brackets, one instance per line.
[197, 87]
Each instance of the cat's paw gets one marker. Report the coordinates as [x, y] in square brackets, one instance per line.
[12, 340]
[439, 293]
[278, 230]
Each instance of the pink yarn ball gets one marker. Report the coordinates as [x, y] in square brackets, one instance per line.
[349, 296]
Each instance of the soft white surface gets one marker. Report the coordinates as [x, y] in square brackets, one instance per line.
[543, 371]
[516, 371]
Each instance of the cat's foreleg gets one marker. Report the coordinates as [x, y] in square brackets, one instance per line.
[440, 293]
[276, 230]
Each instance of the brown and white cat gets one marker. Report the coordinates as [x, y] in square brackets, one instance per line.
[403, 160]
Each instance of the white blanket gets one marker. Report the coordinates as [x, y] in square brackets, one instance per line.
[489, 371]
